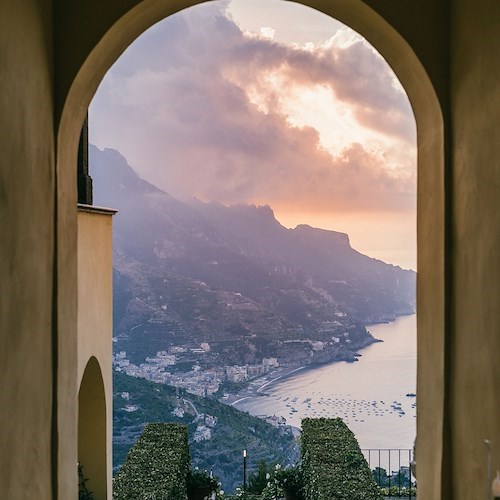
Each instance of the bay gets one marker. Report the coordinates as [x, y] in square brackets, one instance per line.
[370, 395]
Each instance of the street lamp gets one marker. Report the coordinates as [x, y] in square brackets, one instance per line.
[244, 473]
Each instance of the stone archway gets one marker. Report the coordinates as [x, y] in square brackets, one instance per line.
[95, 52]
[92, 429]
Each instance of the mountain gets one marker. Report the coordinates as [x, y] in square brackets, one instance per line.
[366, 288]
[236, 278]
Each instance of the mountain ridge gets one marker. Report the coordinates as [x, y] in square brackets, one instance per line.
[203, 270]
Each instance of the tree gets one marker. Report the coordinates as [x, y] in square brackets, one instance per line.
[258, 481]
[380, 476]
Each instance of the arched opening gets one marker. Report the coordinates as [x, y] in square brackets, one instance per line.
[159, 133]
[431, 306]
[92, 430]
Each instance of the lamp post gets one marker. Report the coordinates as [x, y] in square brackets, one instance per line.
[244, 473]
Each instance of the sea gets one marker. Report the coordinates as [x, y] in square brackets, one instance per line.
[374, 396]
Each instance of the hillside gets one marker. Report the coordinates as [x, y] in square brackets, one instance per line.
[137, 402]
[235, 278]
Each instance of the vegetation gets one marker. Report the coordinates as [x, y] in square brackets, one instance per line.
[257, 481]
[83, 492]
[380, 476]
[234, 430]
[398, 484]
[334, 467]
[399, 492]
[156, 467]
[291, 480]
[273, 480]
[288, 482]
[200, 484]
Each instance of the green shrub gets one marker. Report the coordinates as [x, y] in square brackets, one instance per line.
[400, 492]
[281, 482]
[291, 481]
[333, 466]
[156, 466]
[197, 480]
[258, 480]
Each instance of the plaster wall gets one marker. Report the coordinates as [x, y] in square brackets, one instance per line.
[95, 325]
[425, 27]
[474, 383]
[419, 55]
[458, 227]
[92, 432]
[26, 249]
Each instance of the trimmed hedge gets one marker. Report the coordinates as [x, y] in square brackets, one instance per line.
[156, 466]
[334, 467]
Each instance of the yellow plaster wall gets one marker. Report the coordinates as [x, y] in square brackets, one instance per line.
[92, 431]
[95, 325]
[26, 249]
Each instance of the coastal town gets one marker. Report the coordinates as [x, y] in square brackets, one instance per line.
[199, 369]
[201, 382]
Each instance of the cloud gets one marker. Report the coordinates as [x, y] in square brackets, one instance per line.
[178, 104]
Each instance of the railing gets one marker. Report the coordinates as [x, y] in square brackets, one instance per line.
[392, 471]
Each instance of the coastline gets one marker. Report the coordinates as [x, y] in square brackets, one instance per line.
[282, 374]
[364, 397]
[280, 377]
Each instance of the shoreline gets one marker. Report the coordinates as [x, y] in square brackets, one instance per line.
[281, 377]
[368, 411]
[285, 373]
[282, 374]
[291, 371]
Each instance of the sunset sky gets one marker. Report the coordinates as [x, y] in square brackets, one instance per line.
[268, 102]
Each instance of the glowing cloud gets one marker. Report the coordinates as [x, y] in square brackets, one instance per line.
[203, 108]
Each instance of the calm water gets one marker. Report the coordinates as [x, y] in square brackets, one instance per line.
[363, 393]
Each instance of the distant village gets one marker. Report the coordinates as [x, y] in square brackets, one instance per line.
[199, 381]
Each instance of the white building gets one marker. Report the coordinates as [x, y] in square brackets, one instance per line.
[202, 433]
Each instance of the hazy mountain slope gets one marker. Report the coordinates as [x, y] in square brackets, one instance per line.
[364, 286]
[209, 272]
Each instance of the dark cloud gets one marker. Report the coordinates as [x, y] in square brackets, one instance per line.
[176, 105]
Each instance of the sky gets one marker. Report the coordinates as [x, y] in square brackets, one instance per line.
[268, 102]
